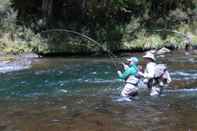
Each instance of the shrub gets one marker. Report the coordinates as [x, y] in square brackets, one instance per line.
[145, 42]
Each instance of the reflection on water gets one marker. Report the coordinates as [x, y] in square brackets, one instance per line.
[81, 95]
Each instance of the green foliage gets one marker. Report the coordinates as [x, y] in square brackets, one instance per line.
[17, 38]
[4, 4]
[144, 40]
[120, 4]
[176, 41]
[19, 44]
[178, 15]
[115, 24]
[139, 38]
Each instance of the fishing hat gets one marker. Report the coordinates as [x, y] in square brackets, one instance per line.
[135, 60]
[150, 56]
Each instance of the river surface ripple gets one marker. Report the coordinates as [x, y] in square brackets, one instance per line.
[80, 94]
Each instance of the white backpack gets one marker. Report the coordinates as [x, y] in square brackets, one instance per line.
[161, 72]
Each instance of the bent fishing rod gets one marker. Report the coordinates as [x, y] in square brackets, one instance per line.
[112, 55]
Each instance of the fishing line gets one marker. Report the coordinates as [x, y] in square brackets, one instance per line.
[112, 56]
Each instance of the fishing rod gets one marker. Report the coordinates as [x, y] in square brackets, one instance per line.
[112, 55]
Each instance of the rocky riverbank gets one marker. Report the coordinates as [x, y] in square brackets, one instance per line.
[9, 63]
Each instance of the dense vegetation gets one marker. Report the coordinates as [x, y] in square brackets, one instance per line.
[116, 24]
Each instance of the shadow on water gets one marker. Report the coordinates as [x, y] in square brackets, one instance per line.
[81, 95]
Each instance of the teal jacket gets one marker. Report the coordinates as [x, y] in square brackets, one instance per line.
[131, 71]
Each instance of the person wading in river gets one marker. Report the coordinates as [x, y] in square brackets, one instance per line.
[130, 76]
[156, 75]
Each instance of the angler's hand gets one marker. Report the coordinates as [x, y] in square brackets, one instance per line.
[140, 68]
[125, 66]
[119, 72]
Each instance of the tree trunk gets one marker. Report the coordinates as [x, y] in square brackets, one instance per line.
[84, 7]
[47, 7]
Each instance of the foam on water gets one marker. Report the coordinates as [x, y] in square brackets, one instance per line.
[123, 99]
[11, 68]
[184, 75]
[182, 90]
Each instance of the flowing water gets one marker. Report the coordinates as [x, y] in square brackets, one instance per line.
[80, 94]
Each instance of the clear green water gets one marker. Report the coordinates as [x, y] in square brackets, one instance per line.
[80, 94]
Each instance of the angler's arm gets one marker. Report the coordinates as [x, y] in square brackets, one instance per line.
[140, 74]
[126, 73]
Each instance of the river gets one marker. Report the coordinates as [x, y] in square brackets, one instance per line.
[80, 94]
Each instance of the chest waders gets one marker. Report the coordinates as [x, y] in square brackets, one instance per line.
[154, 83]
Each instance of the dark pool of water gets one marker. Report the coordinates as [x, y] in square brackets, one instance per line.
[80, 94]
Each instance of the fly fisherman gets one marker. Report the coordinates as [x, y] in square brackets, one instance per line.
[130, 76]
[156, 75]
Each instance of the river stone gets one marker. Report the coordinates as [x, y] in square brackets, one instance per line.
[29, 55]
[162, 51]
[21, 62]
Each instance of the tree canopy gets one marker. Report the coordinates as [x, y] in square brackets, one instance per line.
[114, 23]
